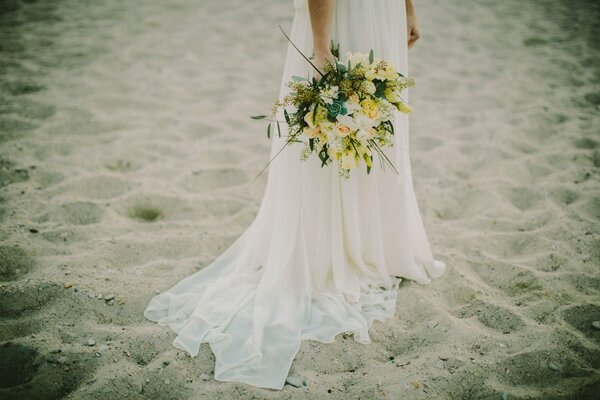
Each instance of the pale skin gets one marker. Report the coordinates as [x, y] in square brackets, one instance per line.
[320, 18]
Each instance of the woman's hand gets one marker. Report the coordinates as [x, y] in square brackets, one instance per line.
[411, 23]
[321, 58]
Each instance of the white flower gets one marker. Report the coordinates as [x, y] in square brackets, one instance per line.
[351, 107]
[348, 121]
[363, 135]
[329, 93]
[365, 123]
[368, 87]
[357, 57]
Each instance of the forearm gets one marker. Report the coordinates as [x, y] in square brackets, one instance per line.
[410, 7]
[320, 18]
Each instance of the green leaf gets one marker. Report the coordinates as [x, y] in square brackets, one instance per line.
[258, 116]
[287, 116]
[371, 56]
[323, 156]
[269, 131]
[298, 78]
[379, 89]
[369, 168]
[278, 129]
[341, 68]
[311, 142]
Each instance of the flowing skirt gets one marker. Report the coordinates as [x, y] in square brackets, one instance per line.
[324, 254]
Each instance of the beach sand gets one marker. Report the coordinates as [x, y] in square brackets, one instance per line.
[126, 151]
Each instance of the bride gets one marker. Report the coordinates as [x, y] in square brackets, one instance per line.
[324, 254]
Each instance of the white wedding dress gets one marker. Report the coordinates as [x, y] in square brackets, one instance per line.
[324, 254]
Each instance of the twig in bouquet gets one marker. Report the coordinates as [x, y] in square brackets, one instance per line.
[302, 54]
[382, 154]
[291, 137]
[288, 141]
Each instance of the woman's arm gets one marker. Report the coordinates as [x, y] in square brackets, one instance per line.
[411, 23]
[320, 19]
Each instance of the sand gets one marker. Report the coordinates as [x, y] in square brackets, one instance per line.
[126, 150]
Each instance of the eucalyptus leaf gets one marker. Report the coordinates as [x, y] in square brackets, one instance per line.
[258, 116]
[298, 78]
[371, 56]
[269, 131]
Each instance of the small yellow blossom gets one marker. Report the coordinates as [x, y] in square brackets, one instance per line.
[311, 132]
[370, 108]
[382, 71]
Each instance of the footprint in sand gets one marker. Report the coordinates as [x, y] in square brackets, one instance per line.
[14, 262]
[11, 128]
[74, 213]
[584, 283]
[27, 374]
[545, 368]
[11, 329]
[9, 174]
[145, 212]
[515, 281]
[581, 316]
[148, 207]
[524, 198]
[15, 302]
[144, 350]
[492, 316]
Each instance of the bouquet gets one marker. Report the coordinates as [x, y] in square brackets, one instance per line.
[346, 116]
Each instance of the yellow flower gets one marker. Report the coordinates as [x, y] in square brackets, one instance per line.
[321, 115]
[322, 137]
[381, 71]
[353, 98]
[311, 132]
[370, 108]
[326, 127]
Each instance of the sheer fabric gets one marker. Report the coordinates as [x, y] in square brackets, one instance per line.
[323, 255]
